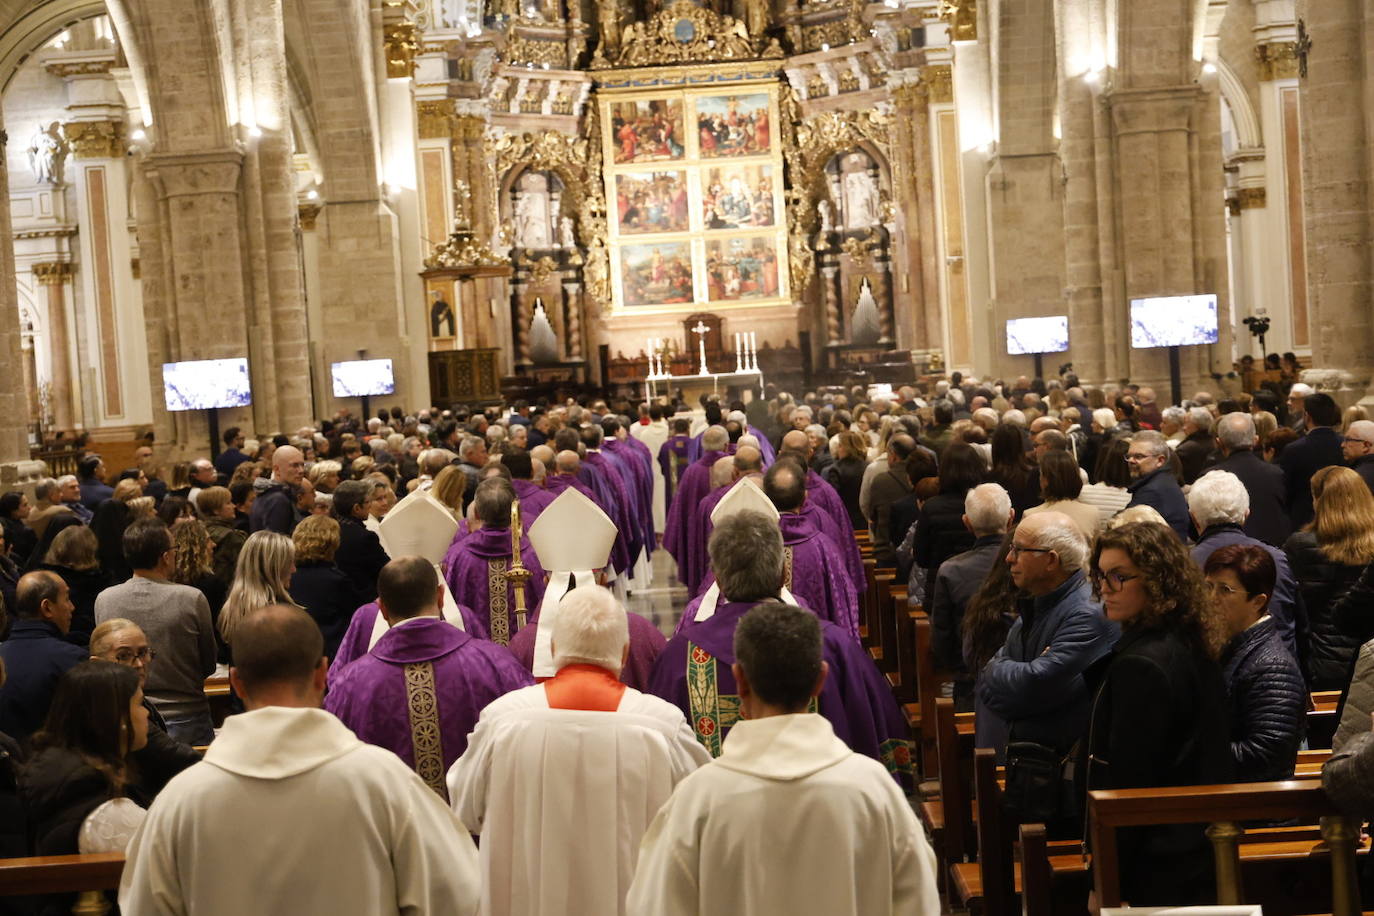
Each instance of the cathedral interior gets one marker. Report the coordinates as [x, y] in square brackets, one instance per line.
[530, 196]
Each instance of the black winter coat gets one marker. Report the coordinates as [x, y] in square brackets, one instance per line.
[360, 556]
[60, 789]
[1330, 650]
[1159, 718]
[846, 475]
[940, 535]
[329, 596]
[1268, 704]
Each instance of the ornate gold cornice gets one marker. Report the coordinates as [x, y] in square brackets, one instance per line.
[402, 42]
[539, 52]
[95, 139]
[685, 32]
[962, 16]
[53, 273]
[1252, 198]
[435, 118]
[1278, 60]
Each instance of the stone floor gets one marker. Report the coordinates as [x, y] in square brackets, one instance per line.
[663, 601]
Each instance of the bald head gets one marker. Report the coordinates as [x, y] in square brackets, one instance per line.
[537, 470]
[748, 460]
[722, 472]
[797, 441]
[567, 462]
[288, 464]
[542, 454]
[715, 439]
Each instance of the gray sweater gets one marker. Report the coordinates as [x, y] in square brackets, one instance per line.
[176, 619]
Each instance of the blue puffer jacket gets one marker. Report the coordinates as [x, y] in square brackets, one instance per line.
[1268, 704]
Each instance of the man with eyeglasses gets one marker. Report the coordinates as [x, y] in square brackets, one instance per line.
[1035, 681]
[1153, 483]
[1357, 447]
[122, 641]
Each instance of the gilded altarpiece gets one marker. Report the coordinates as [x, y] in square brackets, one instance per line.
[694, 187]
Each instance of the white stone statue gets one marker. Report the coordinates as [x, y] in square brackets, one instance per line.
[865, 325]
[827, 219]
[543, 341]
[860, 200]
[568, 234]
[531, 223]
[47, 154]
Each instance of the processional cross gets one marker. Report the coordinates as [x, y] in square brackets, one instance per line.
[701, 330]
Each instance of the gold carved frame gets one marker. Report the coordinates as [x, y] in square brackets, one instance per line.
[696, 236]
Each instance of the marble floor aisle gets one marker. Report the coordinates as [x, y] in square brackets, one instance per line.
[663, 601]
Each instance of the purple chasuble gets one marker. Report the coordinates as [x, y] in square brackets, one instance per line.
[611, 482]
[810, 574]
[689, 613]
[637, 472]
[620, 550]
[843, 538]
[694, 674]
[474, 571]
[822, 494]
[690, 554]
[418, 693]
[357, 638]
[646, 643]
[765, 447]
[673, 460]
[533, 500]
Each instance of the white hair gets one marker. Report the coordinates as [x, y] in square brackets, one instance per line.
[590, 629]
[985, 417]
[1173, 414]
[1218, 498]
[988, 508]
[1236, 430]
[737, 416]
[722, 471]
[1362, 430]
[747, 439]
[816, 429]
[1056, 531]
[1014, 417]
[715, 439]
[1201, 417]
[1104, 417]
[1300, 390]
[1137, 514]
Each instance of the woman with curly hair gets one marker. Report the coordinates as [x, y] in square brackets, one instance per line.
[1159, 715]
[194, 559]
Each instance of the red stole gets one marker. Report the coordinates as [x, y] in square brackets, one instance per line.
[586, 687]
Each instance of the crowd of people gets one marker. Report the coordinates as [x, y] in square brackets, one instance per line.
[422, 621]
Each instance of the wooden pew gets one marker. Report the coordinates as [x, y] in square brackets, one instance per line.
[87, 876]
[1321, 717]
[218, 693]
[1224, 807]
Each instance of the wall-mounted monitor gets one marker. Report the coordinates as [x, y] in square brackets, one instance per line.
[204, 384]
[1173, 321]
[361, 378]
[1026, 336]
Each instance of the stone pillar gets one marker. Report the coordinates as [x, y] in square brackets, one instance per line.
[16, 470]
[1336, 184]
[56, 277]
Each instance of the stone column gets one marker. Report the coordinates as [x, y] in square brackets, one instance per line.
[16, 470]
[1336, 184]
[55, 277]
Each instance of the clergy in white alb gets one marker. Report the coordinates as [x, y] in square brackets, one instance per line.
[561, 779]
[788, 819]
[290, 813]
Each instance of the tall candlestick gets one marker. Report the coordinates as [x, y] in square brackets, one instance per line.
[753, 352]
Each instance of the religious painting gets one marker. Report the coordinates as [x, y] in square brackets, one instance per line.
[656, 274]
[737, 197]
[646, 130]
[651, 201]
[733, 125]
[742, 268]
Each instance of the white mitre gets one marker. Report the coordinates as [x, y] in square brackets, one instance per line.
[419, 526]
[572, 538]
[745, 496]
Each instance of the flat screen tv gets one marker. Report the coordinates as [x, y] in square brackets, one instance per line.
[1173, 321]
[361, 378]
[206, 383]
[1037, 335]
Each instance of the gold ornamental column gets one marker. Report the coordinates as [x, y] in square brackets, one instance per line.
[55, 277]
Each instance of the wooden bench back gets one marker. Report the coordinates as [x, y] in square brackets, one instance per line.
[87, 876]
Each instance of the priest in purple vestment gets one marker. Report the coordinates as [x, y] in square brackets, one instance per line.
[746, 462]
[674, 457]
[610, 479]
[533, 497]
[566, 465]
[808, 567]
[475, 568]
[637, 469]
[419, 691]
[694, 670]
[693, 487]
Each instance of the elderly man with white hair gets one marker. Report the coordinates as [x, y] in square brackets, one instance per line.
[1237, 446]
[1297, 415]
[1357, 446]
[1196, 447]
[562, 779]
[1218, 504]
[987, 513]
[1035, 684]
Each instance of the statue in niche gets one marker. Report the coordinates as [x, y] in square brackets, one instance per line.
[567, 235]
[531, 220]
[608, 25]
[827, 218]
[860, 200]
[47, 154]
[756, 18]
[441, 323]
